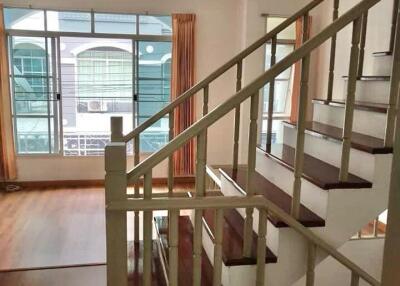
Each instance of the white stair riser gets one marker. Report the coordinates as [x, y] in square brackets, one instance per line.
[365, 122]
[228, 189]
[286, 243]
[382, 65]
[312, 196]
[361, 163]
[370, 91]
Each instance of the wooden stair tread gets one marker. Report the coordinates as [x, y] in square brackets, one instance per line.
[361, 105]
[274, 194]
[135, 262]
[382, 54]
[372, 77]
[316, 171]
[232, 244]
[185, 251]
[359, 141]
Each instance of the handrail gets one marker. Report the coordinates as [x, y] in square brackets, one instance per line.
[250, 89]
[221, 70]
[257, 201]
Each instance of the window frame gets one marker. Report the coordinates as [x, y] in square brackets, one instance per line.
[136, 38]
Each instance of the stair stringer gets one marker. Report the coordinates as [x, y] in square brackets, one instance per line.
[346, 210]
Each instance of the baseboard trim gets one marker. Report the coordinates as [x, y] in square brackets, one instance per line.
[93, 183]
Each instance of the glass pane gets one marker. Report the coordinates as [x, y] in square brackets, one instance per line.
[282, 50]
[288, 34]
[280, 98]
[155, 137]
[24, 19]
[154, 84]
[277, 132]
[115, 23]
[155, 25]
[68, 21]
[96, 84]
[32, 135]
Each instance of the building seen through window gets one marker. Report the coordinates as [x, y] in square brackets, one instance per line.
[66, 89]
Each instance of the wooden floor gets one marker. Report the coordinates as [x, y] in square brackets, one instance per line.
[46, 234]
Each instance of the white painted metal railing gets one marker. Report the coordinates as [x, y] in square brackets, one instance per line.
[117, 176]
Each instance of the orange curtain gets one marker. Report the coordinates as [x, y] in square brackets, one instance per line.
[183, 78]
[297, 70]
[7, 153]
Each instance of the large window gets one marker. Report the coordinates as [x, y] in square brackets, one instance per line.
[283, 82]
[65, 88]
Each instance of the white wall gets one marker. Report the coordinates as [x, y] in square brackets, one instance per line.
[217, 40]
[378, 37]
[254, 28]
[368, 254]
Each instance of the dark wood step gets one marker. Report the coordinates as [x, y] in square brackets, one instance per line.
[360, 105]
[371, 77]
[185, 251]
[232, 245]
[382, 54]
[316, 171]
[135, 262]
[274, 194]
[359, 141]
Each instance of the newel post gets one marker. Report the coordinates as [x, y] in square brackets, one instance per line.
[115, 190]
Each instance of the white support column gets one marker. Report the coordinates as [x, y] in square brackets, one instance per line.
[116, 230]
[391, 256]
[394, 90]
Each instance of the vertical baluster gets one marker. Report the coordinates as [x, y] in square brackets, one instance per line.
[147, 230]
[355, 279]
[219, 229]
[362, 43]
[116, 230]
[136, 160]
[395, 18]
[271, 96]
[200, 191]
[205, 112]
[331, 78]
[394, 89]
[171, 157]
[205, 100]
[376, 225]
[251, 166]
[237, 117]
[301, 122]
[349, 108]
[261, 247]
[312, 253]
[116, 129]
[173, 216]
[173, 247]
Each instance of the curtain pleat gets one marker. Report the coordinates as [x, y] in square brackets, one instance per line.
[297, 71]
[8, 168]
[183, 78]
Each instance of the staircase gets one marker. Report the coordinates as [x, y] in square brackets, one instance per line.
[292, 205]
